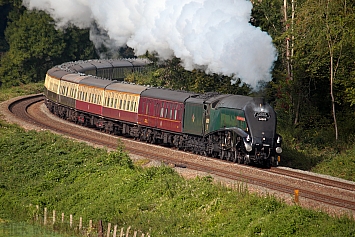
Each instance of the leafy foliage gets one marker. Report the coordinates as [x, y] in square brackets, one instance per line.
[35, 46]
[172, 75]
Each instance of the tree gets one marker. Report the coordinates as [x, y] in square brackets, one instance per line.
[321, 33]
[35, 45]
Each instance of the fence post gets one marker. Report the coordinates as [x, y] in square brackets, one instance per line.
[53, 217]
[45, 216]
[108, 229]
[80, 223]
[114, 231]
[100, 230]
[121, 235]
[71, 220]
[37, 207]
[127, 232]
[62, 217]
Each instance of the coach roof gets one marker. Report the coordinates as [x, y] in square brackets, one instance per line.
[57, 72]
[95, 82]
[166, 94]
[74, 77]
[127, 88]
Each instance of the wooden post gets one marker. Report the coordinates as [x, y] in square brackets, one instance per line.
[80, 223]
[71, 220]
[53, 217]
[127, 232]
[45, 216]
[296, 196]
[100, 230]
[90, 224]
[62, 217]
[114, 231]
[37, 207]
[121, 235]
[135, 234]
[108, 229]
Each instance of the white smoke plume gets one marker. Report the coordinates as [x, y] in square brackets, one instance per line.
[210, 34]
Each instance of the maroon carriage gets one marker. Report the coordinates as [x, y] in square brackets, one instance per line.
[162, 109]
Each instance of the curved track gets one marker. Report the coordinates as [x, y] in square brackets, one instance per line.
[326, 193]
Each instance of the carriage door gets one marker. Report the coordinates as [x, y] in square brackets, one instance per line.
[206, 115]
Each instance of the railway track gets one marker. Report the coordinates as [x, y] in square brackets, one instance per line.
[321, 191]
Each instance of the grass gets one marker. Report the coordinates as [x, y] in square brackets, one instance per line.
[44, 169]
[8, 93]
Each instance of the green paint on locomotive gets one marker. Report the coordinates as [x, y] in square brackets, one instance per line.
[201, 119]
[194, 119]
[226, 118]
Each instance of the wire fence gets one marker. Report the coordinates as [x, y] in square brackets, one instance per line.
[62, 223]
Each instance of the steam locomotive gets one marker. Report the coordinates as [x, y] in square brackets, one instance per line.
[232, 127]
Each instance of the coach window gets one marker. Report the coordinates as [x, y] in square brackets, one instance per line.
[162, 112]
[166, 112]
[132, 106]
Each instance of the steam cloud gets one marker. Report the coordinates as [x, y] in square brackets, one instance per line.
[209, 34]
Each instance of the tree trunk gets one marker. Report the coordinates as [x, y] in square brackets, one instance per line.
[332, 94]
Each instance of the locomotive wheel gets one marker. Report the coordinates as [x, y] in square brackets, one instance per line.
[246, 160]
[222, 156]
[267, 163]
[235, 157]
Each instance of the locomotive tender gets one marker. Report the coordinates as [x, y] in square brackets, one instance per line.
[233, 127]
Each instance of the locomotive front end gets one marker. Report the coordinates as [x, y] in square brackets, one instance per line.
[262, 143]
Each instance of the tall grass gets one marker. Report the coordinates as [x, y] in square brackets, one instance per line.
[8, 93]
[44, 169]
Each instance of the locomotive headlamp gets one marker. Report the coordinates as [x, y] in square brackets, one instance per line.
[278, 150]
[248, 147]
